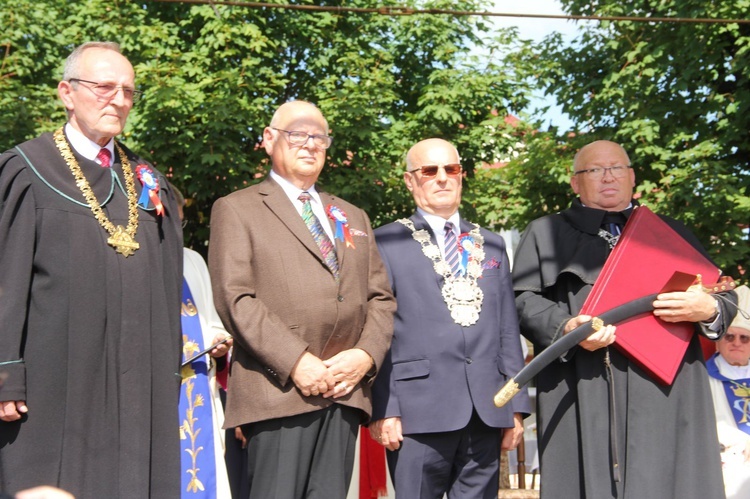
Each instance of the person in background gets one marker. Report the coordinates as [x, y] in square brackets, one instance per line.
[455, 341]
[607, 429]
[729, 371]
[299, 284]
[90, 273]
[204, 470]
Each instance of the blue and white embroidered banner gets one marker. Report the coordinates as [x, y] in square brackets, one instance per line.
[196, 423]
[737, 392]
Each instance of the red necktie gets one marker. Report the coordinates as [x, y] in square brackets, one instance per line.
[104, 157]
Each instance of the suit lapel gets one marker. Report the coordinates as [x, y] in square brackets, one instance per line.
[465, 226]
[278, 203]
[421, 223]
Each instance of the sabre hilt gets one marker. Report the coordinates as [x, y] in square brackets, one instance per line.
[507, 392]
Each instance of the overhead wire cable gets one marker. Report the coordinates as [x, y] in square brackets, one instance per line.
[408, 11]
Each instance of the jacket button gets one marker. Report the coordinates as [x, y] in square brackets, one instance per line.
[468, 360]
[340, 298]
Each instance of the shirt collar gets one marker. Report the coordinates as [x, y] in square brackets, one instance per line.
[437, 223]
[85, 146]
[589, 220]
[293, 192]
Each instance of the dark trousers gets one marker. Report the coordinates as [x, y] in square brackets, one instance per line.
[461, 463]
[307, 456]
[235, 457]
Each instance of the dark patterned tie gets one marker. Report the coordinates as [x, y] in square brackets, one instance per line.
[451, 249]
[613, 229]
[613, 222]
[320, 236]
[104, 157]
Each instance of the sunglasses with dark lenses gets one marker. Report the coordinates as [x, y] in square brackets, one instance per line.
[731, 336]
[432, 170]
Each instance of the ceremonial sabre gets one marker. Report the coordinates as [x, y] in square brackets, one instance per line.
[612, 316]
[205, 351]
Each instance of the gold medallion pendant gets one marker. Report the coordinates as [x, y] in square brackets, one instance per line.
[121, 239]
[123, 242]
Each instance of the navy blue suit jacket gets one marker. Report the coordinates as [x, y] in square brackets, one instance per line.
[437, 371]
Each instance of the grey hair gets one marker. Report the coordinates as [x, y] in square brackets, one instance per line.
[71, 69]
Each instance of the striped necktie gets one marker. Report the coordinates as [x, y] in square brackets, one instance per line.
[321, 239]
[451, 250]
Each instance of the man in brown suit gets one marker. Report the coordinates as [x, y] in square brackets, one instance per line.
[311, 326]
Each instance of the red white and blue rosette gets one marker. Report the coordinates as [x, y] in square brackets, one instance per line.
[466, 245]
[150, 188]
[342, 225]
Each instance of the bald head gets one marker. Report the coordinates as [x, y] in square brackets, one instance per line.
[298, 112]
[590, 152]
[596, 182]
[299, 164]
[439, 194]
[423, 146]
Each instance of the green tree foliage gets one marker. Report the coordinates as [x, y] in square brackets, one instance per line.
[676, 96]
[213, 75]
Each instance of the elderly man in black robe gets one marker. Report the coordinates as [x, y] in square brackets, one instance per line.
[633, 438]
[90, 276]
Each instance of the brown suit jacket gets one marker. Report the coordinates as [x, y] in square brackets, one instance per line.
[278, 299]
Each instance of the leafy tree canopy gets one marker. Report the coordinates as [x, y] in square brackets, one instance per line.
[674, 95]
[214, 74]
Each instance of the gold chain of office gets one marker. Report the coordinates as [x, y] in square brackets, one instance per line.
[121, 238]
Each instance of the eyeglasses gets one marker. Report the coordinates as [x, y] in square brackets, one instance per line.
[301, 138]
[599, 172]
[730, 337]
[107, 90]
[432, 170]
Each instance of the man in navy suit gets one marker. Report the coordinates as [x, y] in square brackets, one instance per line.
[455, 343]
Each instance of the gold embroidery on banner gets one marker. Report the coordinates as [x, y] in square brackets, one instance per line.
[188, 309]
[742, 392]
[121, 238]
[189, 429]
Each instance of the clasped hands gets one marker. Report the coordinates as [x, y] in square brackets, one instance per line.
[335, 377]
[677, 306]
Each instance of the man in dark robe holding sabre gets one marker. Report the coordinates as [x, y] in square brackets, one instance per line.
[607, 428]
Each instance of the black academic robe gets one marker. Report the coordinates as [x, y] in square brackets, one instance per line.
[666, 439]
[90, 339]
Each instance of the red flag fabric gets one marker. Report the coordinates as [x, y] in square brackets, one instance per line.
[708, 346]
[372, 481]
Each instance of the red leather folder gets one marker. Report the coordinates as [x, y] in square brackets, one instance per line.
[644, 262]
